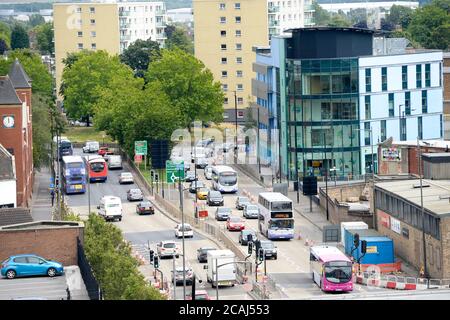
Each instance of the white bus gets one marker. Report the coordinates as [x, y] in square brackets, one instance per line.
[275, 219]
[224, 179]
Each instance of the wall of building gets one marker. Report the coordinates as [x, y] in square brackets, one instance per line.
[8, 193]
[446, 88]
[59, 244]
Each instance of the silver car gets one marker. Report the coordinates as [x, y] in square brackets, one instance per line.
[251, 211]
[126, 177]
[135, 195]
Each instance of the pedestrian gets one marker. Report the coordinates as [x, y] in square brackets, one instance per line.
[52, 194]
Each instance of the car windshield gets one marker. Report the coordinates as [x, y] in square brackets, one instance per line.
[146, 204]
[136, 191]
[203, 190]
[169, 245]
[282, 224]
[224, 210]
[228, 178]
[338, 274]
[126, 175]
[235, 219]
[185, 228]
[267, 245]
[215, 194]
[97, 166]
[252, 208]
[245, 233]
[204, 250]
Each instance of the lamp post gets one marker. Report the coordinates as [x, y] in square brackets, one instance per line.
[425, 269]
[326, 170]
[236, 125]
[373, 169]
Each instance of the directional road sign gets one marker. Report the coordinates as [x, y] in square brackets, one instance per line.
[174, 171]
[140, 148]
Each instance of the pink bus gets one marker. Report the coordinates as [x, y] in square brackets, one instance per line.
[331, 269]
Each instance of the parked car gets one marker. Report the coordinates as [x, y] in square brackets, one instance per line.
[195, 185]
[190, 176]
[135, 195]
[208, 172]
[126, 177]
[202, 193]
[145, 207]
[235, 223]
[241, 202]
[30, 265]
[222, 214]
[178, 276]
[199, 295]
[202, 253]
[251, 211]
[214, 198]
[243, 236]
[167, 249]
[187, 230]
[270, 250]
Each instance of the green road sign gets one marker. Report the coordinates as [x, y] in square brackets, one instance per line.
[140, 148]
[174, 171]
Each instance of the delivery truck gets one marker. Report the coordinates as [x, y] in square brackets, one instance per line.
[226, 275]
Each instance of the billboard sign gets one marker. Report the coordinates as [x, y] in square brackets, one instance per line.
[390, 154]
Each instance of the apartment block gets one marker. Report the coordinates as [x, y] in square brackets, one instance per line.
[225, 32]
[110, 26]
[285, 15]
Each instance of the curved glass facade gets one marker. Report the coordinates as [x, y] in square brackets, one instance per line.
[323, 117]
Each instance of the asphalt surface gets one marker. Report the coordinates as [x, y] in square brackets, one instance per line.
[34, 288]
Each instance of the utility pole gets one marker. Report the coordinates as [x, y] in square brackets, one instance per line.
[182, 226]
[326, 171]
[174, 278]
[425, 269]
[88, 182]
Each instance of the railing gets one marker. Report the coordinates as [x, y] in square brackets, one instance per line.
[124, 13]
[125, 37]
[90, 282]
[273, 9]
[124, 25]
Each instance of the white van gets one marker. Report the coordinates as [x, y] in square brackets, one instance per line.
[91, 147]
[226, 275]
[110, 208]
[197, 152]
[114, 162]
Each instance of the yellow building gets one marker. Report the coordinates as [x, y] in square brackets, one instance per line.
[224, 33]
[91, 26]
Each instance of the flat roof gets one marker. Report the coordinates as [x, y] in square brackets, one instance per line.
[424, 143]
[43, 224]
[432, 201]
[319, 28]
[274, 196]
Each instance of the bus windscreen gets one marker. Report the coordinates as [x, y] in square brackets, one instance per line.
[281, 205]
[228, 178]
[338, 274]
[282, 224]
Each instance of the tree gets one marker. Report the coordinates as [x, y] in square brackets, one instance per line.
[44, 35]
[35, 20]
[3, 46]
[321, 16]
[5, 33]
[178, 38]
[399, 16]
[139, 54]
[357, 16]
[189, 85]
[339, 20]
[86, 76]
[19, 37]
[68, 61]
[386, 25]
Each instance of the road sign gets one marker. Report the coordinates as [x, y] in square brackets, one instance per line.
[137, 158]
[174, 171]
[140, 148]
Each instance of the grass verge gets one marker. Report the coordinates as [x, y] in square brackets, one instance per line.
[83, 134]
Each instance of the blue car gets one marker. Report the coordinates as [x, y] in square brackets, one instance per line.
[30, 265]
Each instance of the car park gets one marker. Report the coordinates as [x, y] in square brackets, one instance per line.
[195, 185]
[190, 176]
[222, 214]
[145, 207]
[241, 202]
[167, 249]
[214, 198]
[135, 195]
[235, 224]
[126, 177]
[243, 236]
[251, 211]
[270, 250]
[202, 193]
[186, 230]
[202, 253]
[178, 276]
[30, 265]
[208, 172]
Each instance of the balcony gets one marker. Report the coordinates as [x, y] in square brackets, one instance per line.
[273, 9]
[124, 13]
[124, 26]
[160, 24]
[161, 36]
[125, 37]
[273, 23]
[260, 89]
[160, 12]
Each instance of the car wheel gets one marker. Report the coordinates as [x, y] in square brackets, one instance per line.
[10, 274]
[120, 219]
[51, 272]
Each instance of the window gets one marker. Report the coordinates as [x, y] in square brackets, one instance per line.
[92, 10]
[93, 46]
[238, 46]
[237, 6]
[80, 46]
[20, 260]
[368, 81]
[225, 115]
[225, 101]
[80, 34]
[391, 105]
[224, 87]
[237, 19]
[223, 33]
[420, 128]
[408, 103]
[33, 260]
[326, 110]
[404, 77]
[239, 87]
[367, 133]
[78, 10]
[238, 33]
[383, 130]
[403, 129]
[239, 60]
[239, 73]
[223, 20]
[224, 60]
[93, 34]
[367, 107]
[92, 21]
[424, 102]
[419, 76]
[223, 47]
[427, 75]
[383, 79]
[240, 100]
[222, 6]
[224, 74]
[79, 22]
[240, 114]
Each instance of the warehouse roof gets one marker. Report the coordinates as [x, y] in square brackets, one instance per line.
[436, 194]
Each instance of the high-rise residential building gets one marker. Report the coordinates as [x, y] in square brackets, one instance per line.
[111, 26]
[333, 97]
[225, 32]
[284, 15]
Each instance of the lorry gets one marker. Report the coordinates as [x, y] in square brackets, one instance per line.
[226, 275]
[91, 147]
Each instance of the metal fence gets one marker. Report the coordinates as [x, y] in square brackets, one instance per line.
[90, 282]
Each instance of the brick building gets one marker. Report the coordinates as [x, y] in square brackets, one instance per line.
[16, 128]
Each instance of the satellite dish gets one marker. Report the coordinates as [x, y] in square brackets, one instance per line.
[387, 143]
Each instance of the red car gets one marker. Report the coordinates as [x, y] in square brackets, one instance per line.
[235, 223]
[199, 295]
[103, 150]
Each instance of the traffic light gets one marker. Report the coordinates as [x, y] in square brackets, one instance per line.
[156, 262]
[152, 254]
[356, 240]
[261, 254]
[156, 177]
[250, 247]
[249, 237]
[363, 246]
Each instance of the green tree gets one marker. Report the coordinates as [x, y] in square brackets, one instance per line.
[189, 85]
[19, 37]
[178, 38]
[36, 20]
[400, 16]
[140, 54]
[86, 77]
[42, 136]
[357, 16]
[68, 61]
[339, 20]
[5, 33]
[321, 16]
[44, 35]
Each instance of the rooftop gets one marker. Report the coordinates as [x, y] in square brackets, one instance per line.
[43, 224]
[436, 194]
[8, 95]
[424, 143]
[320, 28]
[18, 76]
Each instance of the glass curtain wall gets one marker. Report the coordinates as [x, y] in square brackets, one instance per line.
[323, 117]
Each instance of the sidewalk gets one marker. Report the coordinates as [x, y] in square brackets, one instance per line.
[41, 203]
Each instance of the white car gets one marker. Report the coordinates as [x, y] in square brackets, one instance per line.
[208, 172]
[168, 249]
[187, 230]
[126, 177]
[91, 147]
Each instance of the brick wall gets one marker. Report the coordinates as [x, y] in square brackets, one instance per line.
[59, 244]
